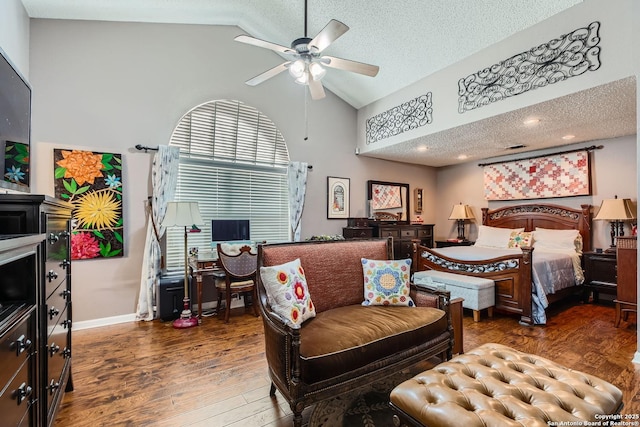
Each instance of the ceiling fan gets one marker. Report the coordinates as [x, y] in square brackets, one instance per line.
[305, 61]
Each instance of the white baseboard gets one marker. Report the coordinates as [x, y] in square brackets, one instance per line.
[125, 318]
[105, 321]
[636, 358]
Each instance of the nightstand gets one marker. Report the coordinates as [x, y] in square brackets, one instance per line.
[446, 243]
[600, 274]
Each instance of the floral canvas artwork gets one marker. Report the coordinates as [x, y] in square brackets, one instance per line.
[16, 163]
[92, 182]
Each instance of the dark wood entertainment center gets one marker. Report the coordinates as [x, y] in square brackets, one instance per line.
[35, 301]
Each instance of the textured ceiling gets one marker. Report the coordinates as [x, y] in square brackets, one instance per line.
[603, 112]
[409, 40]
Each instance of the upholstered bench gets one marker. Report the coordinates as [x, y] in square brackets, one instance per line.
[495, 385]
[478, 293]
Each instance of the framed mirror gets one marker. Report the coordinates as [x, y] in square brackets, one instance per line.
[388, 201]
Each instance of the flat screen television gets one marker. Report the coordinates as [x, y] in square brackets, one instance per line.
[15, 126]
[225, 230]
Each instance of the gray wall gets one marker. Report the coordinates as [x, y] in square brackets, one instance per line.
[107, 86]
[613, 172]
[14, 34]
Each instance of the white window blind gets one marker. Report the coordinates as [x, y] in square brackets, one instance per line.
[233, 163]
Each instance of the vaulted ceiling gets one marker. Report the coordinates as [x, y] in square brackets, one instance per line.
[408, 40]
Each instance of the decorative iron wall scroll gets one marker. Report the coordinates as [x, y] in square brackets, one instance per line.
[570, 55]
[92, 182]
[559, 175]
[409, 115]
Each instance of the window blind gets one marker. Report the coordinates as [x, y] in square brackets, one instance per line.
[233, 162]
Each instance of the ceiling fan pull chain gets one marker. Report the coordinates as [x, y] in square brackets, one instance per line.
[306, 116]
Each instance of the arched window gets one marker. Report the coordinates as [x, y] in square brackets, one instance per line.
[233, 162]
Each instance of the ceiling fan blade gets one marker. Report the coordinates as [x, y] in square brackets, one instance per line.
[348, 65]
[328, 34]
[316, 89]
[268, 74]
[261, 43]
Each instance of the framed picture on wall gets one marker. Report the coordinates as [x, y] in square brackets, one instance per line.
[337, 197]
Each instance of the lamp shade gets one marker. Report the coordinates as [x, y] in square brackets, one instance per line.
[183, 214]
[616, 210]
[461, 212]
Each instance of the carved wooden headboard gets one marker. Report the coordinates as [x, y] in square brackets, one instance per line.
[544, 216]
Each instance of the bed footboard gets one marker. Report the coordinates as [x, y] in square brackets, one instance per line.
[511, 274]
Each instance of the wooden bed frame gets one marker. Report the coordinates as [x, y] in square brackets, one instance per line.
[512, 274]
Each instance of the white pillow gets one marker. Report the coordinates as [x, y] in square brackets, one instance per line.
[288, 293]
[557, 240]
[495, 237]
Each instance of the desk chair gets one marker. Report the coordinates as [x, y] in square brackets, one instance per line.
[240, 276]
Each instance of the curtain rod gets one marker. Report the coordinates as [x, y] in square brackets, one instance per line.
[147, 149]
[593, 147]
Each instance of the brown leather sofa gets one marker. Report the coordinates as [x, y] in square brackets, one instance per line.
[346, 345]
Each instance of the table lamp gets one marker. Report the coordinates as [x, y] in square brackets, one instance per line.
[461, 213]
[184, 214]
[617, 211]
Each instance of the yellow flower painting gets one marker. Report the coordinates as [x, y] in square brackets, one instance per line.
[92, 182]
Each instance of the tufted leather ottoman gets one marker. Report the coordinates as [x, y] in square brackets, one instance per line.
[495, 385]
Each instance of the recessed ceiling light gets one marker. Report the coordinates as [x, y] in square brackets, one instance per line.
[568, 137]
[531, 122]
[463, 157]
[422, 148]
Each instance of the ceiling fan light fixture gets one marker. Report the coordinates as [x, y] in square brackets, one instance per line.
[303, 79]
[297, 68]
[317, 71]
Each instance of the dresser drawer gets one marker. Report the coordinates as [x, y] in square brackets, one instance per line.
[389, 232]
[16, 347]
[56, 305]
[424, 232]
[408, 233]
[357, 232]
[57, 353]
[16, 401]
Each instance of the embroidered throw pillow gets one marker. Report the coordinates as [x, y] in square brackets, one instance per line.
[288, 293]
[387, 282]
[495, 237]
[517, 239]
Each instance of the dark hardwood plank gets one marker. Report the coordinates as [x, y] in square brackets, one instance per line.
[149, 374]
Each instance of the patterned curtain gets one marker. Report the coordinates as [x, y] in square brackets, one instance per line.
[164, 176]
[297, 175]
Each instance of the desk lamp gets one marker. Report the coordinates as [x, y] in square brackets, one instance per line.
[184, 214]
[617, 211]
[461, 213]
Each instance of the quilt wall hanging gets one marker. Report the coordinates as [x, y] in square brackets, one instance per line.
[385, 197]
[92, 182]
[558, 175]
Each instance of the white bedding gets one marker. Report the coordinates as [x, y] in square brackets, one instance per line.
[551, 270]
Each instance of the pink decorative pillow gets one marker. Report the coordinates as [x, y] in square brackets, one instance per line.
[518, 239]
[386, 282]
[288, 293]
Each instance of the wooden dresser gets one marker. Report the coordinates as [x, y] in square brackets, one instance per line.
[38, 215]
[627, 289]
[403, 236]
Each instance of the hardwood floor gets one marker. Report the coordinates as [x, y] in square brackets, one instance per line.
[215, 375]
